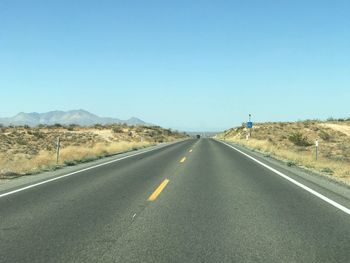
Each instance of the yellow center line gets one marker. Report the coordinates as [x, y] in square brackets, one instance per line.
[191, 150]
[183, 159]
[159, 189]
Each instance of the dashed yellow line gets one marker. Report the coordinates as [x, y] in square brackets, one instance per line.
[183, 160]
[191, 150]
[159, 189]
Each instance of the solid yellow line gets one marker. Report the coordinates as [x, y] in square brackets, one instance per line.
[159, 189]
[183, 159]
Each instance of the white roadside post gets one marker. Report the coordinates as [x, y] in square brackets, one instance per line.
[58, 150]
[316, 144]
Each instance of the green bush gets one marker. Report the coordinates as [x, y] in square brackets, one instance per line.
[327, 170]
[299, 140]
[38, 134]
[70, 162]
[72, 127]
[117, 129]
[291, 163]
[324, 136]
[88, 159]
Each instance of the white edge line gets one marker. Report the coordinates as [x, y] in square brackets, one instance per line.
[79, 171]
[311, 191]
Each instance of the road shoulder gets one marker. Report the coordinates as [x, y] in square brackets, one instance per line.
[335, 190]
[8, 185]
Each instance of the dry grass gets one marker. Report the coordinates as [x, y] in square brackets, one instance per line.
[75, 153]
[274, 139]
[31, 150]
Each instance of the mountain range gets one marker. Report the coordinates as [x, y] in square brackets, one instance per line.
[79, 117]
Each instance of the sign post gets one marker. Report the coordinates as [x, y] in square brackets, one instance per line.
[58, 149]
[250, 125]
[316, 144]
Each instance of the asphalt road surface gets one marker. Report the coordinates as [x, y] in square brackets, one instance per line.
[192, 201]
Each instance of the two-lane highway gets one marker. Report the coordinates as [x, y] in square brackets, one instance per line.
[193, 201]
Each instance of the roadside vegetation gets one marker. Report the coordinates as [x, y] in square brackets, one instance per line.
[25, 150]
[294, 143]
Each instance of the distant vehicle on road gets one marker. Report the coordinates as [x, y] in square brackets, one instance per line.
[198, 136]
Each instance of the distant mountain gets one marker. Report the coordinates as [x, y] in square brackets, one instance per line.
[80, 117]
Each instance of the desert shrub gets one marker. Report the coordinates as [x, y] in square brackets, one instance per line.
[70, 162]
[89, 159]
[98, 126]
[299, 140]
[159, 140]
[324, 136]
[291, 163]
[71, 127]
[21, 141]
[327, 170]
[158, 131]
[152, 133]
[139, 129]
[339, 119]
[117, 129]
[57, 125]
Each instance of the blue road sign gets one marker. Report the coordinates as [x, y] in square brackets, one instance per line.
[249, 124]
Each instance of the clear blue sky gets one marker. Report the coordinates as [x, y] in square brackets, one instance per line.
[190, 65]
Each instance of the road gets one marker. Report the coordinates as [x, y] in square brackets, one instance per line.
[192, 201]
